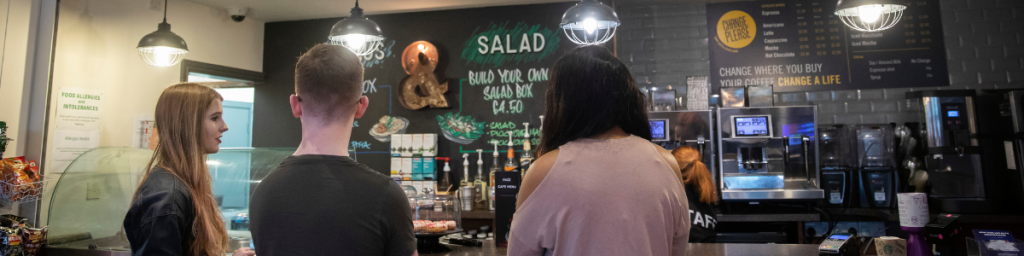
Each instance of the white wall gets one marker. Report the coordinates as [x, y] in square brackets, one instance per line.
[13, 96]
[95, 49]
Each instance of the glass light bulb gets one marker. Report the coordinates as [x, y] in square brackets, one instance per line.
[590, 25]
[354, 42]
[870, 13]
[162, 55]
[421, 47]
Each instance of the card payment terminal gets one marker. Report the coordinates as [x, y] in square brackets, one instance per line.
[839, 244]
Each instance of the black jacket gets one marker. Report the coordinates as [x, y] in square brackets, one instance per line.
[160, 219]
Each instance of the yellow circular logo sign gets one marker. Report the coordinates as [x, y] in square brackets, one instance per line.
[736, 29]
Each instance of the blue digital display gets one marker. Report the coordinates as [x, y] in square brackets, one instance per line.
[953, 113]
[839, 237]
[659, 129]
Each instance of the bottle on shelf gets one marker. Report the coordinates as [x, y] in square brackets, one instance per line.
[511, 165]
[444, 184]
[481, 186]
[466, 187]
[494, 168]
[527, 157]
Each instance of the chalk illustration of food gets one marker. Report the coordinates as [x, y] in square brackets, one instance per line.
[387, 126]
[460, 129]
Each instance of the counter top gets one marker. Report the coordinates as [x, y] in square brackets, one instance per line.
[692, 249]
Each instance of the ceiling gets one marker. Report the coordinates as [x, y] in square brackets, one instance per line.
[282, 10]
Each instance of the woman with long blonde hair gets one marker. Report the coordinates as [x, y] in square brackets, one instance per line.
[173, 212]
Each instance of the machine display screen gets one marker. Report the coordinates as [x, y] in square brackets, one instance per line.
[659, 130]
[839, 237]
[752, 126]
[953, 113]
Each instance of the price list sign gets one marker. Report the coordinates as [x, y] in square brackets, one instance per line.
[801, 45]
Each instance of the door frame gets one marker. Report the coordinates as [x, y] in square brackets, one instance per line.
[188, 66]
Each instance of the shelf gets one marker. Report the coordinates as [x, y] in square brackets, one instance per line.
[478, 215]
[768, 217]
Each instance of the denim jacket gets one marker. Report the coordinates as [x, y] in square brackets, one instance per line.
[160, 219]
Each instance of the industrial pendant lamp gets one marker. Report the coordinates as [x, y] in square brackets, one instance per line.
[357, 33]
[590, 22]
[870, 15]
[162, 48]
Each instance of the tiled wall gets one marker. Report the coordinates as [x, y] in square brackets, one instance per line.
[665, 43]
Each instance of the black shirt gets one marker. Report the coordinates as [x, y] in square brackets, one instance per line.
[702, 218]
[330, 205]
[160, 219]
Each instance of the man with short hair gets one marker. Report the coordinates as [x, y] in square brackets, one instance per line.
[319, 201]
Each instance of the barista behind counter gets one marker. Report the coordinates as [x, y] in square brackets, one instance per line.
[700, 188]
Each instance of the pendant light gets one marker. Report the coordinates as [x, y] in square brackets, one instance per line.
[357, 33]
[162, 48]
[590, 22]
[870, 15]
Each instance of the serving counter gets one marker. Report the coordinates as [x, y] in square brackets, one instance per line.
[488, 249]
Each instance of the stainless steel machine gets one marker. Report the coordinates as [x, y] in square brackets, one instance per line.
[768, 153]
[685, 128]
[952, 153]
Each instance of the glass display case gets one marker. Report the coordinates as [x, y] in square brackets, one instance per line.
[91, 198]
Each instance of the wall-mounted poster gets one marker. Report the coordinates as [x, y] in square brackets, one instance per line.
[800, 45]
[77, 125]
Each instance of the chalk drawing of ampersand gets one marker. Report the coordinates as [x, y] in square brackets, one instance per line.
[420, 87]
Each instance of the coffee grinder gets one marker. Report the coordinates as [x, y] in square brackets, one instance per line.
[876, 166]
[952, 155]
[838, 169]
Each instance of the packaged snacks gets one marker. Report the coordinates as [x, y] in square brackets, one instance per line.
[33, 241]
[11, 230]
[19, 178]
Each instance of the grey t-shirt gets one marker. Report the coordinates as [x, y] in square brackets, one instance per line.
[330, 205]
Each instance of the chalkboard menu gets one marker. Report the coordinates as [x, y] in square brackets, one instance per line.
[492, 64]
[800, 45]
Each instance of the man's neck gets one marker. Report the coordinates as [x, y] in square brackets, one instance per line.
[325, 138]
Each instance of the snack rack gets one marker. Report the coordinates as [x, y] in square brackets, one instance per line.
[11, 193]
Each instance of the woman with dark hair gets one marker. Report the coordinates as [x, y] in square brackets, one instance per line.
[599, 186]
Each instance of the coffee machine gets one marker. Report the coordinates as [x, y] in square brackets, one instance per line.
[1001, 125]
[768, 153]
[685, 128]
[876, 165]
[952, 154]
[838, 169]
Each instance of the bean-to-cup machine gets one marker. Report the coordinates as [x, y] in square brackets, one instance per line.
[768, 153]
[952, 154]
[685, 128]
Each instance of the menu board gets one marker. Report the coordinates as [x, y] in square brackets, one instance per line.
[492, 70]
[801, 45]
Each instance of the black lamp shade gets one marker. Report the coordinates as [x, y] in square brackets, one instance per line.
[163, 37]
[845, 4]
[591, 9]
[356, 25]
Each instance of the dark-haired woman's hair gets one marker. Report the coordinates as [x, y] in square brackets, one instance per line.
[590, 93]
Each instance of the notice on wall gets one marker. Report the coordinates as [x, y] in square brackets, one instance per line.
[78, 109]
[77, 125]
[69, 144]
[801, 45]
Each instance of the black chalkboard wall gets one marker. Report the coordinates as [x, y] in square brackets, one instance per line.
[498, 105]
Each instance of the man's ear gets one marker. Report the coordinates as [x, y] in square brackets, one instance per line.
[296, 105]
[361, 107]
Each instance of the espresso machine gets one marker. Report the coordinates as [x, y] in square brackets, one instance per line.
[877, 166]
[685, 128]
[952, 153]
[1001, 123]
[768, 153]
[838, 169]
